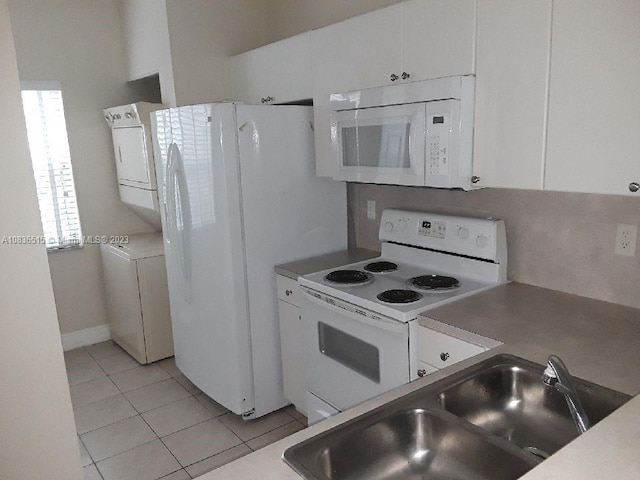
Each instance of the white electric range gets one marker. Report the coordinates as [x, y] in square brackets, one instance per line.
[360, 320]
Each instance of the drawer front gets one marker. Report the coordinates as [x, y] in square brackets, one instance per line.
[288, 290]
[442, 350]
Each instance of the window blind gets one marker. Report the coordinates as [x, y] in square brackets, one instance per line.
[49, 146]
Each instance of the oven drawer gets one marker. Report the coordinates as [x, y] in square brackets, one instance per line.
[288, 290]
[441, 350]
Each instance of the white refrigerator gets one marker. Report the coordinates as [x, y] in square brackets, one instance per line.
[238, 195]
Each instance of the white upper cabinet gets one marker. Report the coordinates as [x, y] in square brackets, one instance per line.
[249, 76]
[360, 52]
[276, 73]
[513, 44]
[594, 100]
[410, 41]
[438, 38]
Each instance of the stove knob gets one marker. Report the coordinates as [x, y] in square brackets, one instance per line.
[463, 233]
[388, 227]
[402, 224]
[481, 241]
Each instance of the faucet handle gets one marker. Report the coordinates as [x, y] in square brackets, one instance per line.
[549, 376]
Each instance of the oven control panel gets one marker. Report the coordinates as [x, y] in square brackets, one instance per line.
[483, 238]
[432, 228]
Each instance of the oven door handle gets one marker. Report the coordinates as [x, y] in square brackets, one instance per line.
[382, 323]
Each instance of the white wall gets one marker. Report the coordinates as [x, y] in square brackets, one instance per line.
[146, 37]
[79, 43]
[37, 431]
[290, 17]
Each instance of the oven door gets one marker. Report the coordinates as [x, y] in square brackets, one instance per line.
[380, 145]
[351, 355]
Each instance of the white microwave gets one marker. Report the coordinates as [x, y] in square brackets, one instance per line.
[418, 133]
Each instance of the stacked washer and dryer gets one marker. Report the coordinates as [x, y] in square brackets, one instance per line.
[134, 267]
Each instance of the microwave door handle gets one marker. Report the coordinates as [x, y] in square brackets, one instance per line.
[417, 130]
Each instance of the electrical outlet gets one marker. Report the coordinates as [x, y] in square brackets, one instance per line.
[626, 236]
[371, 209]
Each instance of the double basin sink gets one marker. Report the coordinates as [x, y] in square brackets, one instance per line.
[494, 420]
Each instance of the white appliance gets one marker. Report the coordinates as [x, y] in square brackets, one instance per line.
[239, 195]
[359, 322]
[417, 133]
[131, 130]
[137, 296]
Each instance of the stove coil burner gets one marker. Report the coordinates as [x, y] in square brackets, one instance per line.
[381, 267]
[348, 277]
[434, 283]
[399, 296]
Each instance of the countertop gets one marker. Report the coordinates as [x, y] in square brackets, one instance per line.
[314, 264]
[598, 341]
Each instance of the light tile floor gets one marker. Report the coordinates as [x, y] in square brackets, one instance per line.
[150, 422]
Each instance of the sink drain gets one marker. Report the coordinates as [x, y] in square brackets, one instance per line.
[537, 452]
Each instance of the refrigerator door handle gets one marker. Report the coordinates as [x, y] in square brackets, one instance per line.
[178, 207]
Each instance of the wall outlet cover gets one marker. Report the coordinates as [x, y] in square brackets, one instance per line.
[371, 209]
[626, 236]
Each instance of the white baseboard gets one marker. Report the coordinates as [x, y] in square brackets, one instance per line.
[88, 336]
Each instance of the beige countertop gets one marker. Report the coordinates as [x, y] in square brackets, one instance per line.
[598, 341]
[315, 264]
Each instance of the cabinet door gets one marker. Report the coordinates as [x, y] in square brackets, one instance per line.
[439, 38]
[280, 71]
[360, 52]
[289, 69]
[594, 115]
[295, 389]
[249, 76]
[441, 350]
[511, 92]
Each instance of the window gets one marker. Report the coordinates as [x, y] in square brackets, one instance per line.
[49, 146]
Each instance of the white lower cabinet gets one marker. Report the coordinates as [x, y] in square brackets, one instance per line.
[437, 350]
[425, 369]
[318, 409]
[291, 349]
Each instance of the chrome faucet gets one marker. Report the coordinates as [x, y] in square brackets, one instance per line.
[557, 375]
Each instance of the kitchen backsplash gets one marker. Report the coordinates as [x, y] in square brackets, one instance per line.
[562, 241]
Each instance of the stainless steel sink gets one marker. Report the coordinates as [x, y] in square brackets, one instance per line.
[495, 420]
[509, 400]
[414, 444]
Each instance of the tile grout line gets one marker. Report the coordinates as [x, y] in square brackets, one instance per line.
[125, 419]
[164, 445]
[191, 395]
[182, 467]
[93, 462]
